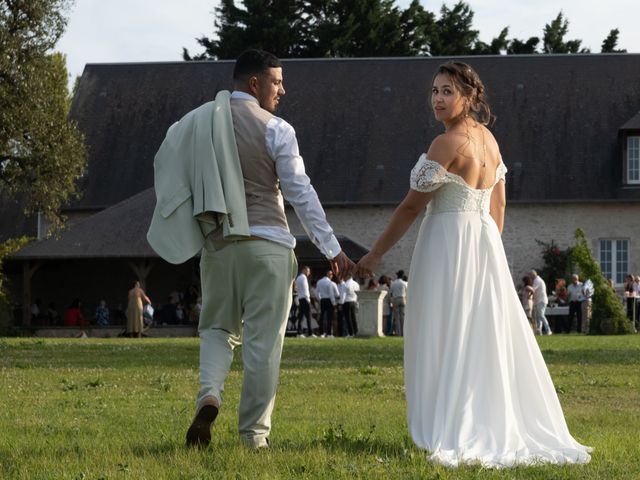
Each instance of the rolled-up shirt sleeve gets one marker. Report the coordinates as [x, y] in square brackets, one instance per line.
[296, 187]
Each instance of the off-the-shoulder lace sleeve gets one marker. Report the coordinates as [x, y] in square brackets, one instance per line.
[428, 175]
[501, 172]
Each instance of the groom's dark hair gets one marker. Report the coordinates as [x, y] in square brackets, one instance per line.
[253, 62]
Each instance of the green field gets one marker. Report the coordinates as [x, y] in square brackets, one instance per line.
[119, 409]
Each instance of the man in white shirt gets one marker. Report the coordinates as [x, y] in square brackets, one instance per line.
[398, 292]
[576, 297]
[349, 299]
[246, 282]
[342, 328]
[540, 301]
[328, 295]
[304, 300]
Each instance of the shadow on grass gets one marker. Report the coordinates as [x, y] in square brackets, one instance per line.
[592, 357]
[158, 448]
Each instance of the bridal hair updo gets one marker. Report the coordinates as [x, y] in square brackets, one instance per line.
[471, 87]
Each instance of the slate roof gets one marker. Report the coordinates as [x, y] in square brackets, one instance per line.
[362, 123]
[120, 232]
[633, 123]
[116, 232]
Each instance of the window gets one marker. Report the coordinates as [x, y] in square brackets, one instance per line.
[614, 259]
[633, 159]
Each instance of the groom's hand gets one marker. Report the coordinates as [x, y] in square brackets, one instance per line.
[341, 265]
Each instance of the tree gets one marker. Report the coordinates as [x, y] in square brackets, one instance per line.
[557, 263]
[608, 315]
[553, 38]
[523, 47]
[611, 42]
[418, 29]
[496, 47]
[279, 26]
[42, 153]
[454, 35]
[356, 28]
[312, 28]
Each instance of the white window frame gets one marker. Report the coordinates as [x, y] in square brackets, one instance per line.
[618, 258]
[633, 160]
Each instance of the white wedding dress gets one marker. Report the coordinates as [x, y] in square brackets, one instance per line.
[477, 387]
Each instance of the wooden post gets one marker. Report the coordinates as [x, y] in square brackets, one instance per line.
[27, 274]
[141, 269]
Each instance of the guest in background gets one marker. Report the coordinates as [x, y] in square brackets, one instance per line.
[304, 300]
[194, 314]
[135, 306]
[73, 316]
[398, 291]
[575, 297]
[180, 313]
[560, 292]
[35, 310]
[102, 314]
[526, 297]
[630, 295]
[387, 313]
[373, 285]
[315, 307]
[167, 314]
[328, 295]
[349, 298]
[540, 301]
[587, 291]
[341, 321]
[52, 314]
[636, 290]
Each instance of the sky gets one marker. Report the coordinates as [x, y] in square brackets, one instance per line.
[115, 31]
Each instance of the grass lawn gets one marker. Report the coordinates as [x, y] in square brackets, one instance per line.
[119, 409]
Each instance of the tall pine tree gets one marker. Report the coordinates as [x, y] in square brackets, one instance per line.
[553, 39]
[611, 42]
[279, 26]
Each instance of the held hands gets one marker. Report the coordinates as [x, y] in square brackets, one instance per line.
[367, 265]
[341, 265]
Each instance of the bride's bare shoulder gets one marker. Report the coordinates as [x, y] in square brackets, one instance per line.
[443, 149]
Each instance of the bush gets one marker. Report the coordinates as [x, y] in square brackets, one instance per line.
[557, 264]
[608, 314]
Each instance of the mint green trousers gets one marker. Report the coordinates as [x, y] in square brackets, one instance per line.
[246, 297]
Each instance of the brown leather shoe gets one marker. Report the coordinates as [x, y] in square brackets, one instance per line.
[199, 433]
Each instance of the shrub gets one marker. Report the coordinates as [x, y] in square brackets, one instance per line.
[608, 314]
[557, 263]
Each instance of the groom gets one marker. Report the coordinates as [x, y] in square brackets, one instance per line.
[246, 281]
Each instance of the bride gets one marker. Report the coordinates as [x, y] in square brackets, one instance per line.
[477, 387]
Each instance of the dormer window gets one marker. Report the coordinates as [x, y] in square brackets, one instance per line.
[629, 137]
[633, 159]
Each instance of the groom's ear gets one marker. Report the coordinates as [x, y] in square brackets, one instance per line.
[252, 85]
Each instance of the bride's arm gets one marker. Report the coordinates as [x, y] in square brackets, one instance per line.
[498, 204]
[403, 216]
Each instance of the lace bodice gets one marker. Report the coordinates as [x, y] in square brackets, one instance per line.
[453, 193]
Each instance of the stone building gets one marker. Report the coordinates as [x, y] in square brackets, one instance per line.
[568, 127]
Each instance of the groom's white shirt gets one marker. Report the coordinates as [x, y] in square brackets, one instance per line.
[282, 147]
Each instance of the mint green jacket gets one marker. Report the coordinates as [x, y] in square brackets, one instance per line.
[198, 183]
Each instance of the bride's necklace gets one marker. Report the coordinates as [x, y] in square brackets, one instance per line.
[484, 158]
